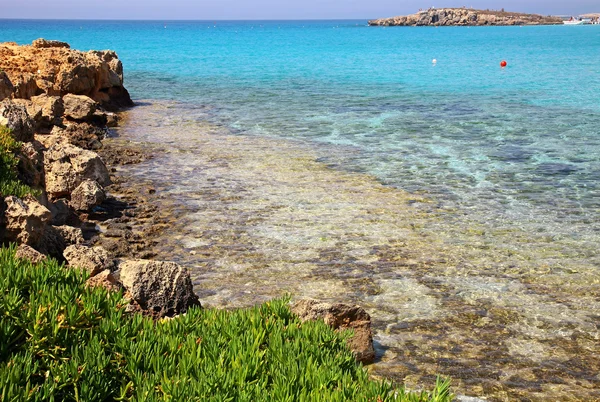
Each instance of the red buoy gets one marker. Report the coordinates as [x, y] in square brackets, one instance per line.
[503, 63]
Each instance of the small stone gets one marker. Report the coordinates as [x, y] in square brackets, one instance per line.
[106, 280]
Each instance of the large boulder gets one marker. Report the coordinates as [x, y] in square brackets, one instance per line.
[79, 107]
[6, 87]
[160, 288]
[26, 220]
[342, 317]
[87, 195]
[16, 118]
[67, 166]
[94, 260]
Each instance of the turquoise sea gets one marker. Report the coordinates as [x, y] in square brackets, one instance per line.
[509, 156]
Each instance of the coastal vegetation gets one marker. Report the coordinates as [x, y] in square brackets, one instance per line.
[9, 181]
[64, 341]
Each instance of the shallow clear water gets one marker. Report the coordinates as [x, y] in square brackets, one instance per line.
[289, 147]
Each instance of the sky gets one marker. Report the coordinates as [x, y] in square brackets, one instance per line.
[268, 9]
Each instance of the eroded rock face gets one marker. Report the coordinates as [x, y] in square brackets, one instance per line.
[79, 107]
[52, 68]
[161, 288]
[81, 134]
[52, 109]
[341, 317]
[30, 254]
[16, 118]
[6, 87]
[67, 166]
[92, 259]
[26, 220]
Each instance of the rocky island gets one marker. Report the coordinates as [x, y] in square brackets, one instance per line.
[466, 17]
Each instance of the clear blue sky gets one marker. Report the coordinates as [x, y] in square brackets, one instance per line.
[267, 9]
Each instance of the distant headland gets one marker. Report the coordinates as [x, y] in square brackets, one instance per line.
[466, 17]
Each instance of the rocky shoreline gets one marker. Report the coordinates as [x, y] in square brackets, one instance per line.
[466, 17]
[60, 105]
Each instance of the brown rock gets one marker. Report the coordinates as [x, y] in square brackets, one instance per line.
[87, 195]
[94, 260]
[81, 134]
[16, 118]
[56, 239]
[6, 87]
[31, 164]
[67, 166]
[52, 108]
[79, 107]
[26, 220]
[342, 317]
[44, 44]
[161, 288]
[30, 254]
[106, 280]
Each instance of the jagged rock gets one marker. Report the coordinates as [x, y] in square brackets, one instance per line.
[30, 254]
[83, 135]
[67, 166]
[52, 109]
[31, 164]
[94, 260]
[161, 288]
[70, 234]
[87, 195]
[34, 112]
[16, 118]
[341, 317]
[79, 107]
[44, 44]
[26, 220]
[6, 87]
[106, 280]
[112, 120]
[57, 71]
[56, 239]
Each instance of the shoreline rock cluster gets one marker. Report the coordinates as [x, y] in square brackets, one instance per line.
[466, 17]
[59, 104]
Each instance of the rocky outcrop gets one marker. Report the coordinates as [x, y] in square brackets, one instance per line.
[67, 166]
[466, 17]
[93, 259]
[342, 317]
[16, 118]
[161, 288]
[52, 68]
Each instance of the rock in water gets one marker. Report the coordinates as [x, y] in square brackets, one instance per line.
[341, 317]
[161, 288]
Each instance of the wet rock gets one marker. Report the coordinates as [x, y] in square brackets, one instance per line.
[6, 87]
[30, 254]
[26, 220]
[79, 107]
[87, 195]
[106, 280]
[161, 288]
[44, 44]
[67, 166]
[52, 108]
[93, 259]
[16, 118]
[341, 317]
[112, 120]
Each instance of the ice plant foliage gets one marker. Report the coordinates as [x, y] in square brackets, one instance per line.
[9, 149]
[62, 341]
